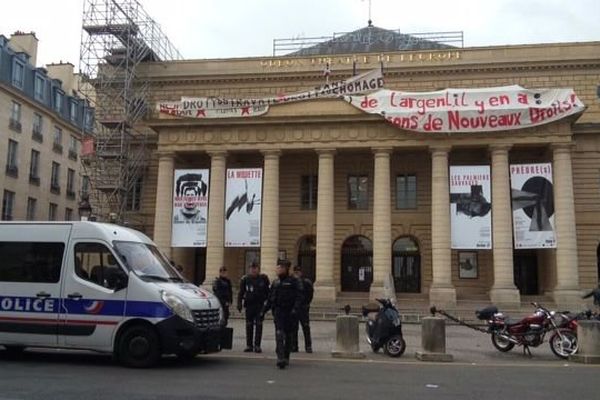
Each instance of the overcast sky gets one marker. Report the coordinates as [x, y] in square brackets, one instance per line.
[237, 28]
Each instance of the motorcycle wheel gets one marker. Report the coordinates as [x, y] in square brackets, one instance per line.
[394, 346]
[565, 346]
[502, 344]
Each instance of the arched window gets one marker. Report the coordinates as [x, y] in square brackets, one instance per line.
[307, 253]
[406, 265]
[357, 264]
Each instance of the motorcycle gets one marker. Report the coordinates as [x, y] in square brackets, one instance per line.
[531, 330]
[384, 328]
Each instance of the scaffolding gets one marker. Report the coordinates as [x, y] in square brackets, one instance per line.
[117, 36]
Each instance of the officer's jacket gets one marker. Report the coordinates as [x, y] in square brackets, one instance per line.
[307, 292]
[222, 289]
[253, 291]
[285, 296]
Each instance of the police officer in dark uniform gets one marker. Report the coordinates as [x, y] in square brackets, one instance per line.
[285, 299]
[222, 289]
[254, 290]
[303, 313]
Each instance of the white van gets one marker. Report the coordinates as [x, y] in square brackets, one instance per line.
[101, 287]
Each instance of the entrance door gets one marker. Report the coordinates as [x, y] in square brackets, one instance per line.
[406, 266]
[200, 266]
[526, 272]
[307, 255]
[357, 264]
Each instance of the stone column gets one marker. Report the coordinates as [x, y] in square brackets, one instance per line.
[215, 250]
[382, 222]
[566, 291]
[163, 211]
[325, 288]
[504, 291]
[442, 292]
[269, 243]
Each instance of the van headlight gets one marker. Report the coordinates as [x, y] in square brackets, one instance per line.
[177, 306]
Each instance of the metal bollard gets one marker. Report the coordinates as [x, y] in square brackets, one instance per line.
[588, 338]
[346, 327]
[433, 340]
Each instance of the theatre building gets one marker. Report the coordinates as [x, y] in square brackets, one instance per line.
[461, 173]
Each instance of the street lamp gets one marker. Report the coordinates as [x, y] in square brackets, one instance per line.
[85, 209]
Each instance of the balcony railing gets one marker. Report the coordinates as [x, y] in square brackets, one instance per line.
[55, 188]
[36, 134]
[34, 180]
[12, 170]
[57, 147]
[15, 125]
[73, 154]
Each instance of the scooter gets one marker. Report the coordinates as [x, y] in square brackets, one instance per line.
[384, 328]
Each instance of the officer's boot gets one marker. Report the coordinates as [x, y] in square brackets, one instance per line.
[258, 338]
[249, 335]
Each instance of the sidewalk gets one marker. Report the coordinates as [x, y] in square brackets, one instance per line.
[466, 345]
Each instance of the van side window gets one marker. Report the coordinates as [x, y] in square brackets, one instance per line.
[96, 264]
[33, 262]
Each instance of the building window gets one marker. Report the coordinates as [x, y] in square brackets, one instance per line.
[12, 160]
[68, 214]
[8, 202]
[358, 192]
[308, 192]
[89, 119]
[31, 208]
[73, 110]
[36, 131]
[73, 145]
[85, 186]
[406, 192]
[52, 212]
[134, 197]
[70, 183]
[39, 88]
[15, 117]
[34, 167]
[18, 74]
[57, 144]
[55, 178]
[58, 100]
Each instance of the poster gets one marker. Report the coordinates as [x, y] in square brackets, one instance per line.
[532, 197]
[471, 207]
[219, 107]
[242, 207]
[190, 207]
[470, 110]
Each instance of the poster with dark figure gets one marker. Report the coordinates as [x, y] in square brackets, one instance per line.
[471, 207]
[242, 207]
[190, 207]
[532, 196]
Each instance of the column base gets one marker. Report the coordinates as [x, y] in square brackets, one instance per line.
[505, 297]
[567, 298]
[442, 297]
[324, 293]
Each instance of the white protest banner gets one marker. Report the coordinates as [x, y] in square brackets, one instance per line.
[471, 207]
[470, 110]
[533, 206]
[242, 207]
[216, 107]
[190, 206]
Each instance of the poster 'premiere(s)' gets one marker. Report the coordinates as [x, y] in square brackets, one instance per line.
[190, 207]
[532, 195]
[243, 207]
[471, 207]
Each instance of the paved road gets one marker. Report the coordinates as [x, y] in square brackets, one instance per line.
[47, 376]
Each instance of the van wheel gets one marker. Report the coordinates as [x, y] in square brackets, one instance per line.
[14, 350]
[139, 347]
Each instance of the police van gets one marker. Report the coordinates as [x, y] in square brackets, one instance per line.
[101, 287]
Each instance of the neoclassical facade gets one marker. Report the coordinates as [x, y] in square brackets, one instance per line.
[354, 199]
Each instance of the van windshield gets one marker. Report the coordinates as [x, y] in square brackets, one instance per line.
[146, 261]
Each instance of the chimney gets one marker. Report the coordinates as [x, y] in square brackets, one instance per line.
[64, 73]
[26, 43]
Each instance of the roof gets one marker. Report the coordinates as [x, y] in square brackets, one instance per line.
[371, 39]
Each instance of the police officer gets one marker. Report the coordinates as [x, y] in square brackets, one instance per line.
[222, 289]
[285, 300]
[254, 290]
[303, 313]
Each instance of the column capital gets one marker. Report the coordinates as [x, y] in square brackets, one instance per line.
[271, 153]
[217, 153]
[166, 154]
[326, 152]
[382, 150]
[499, 148]
[440, 148]
[562, 147]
